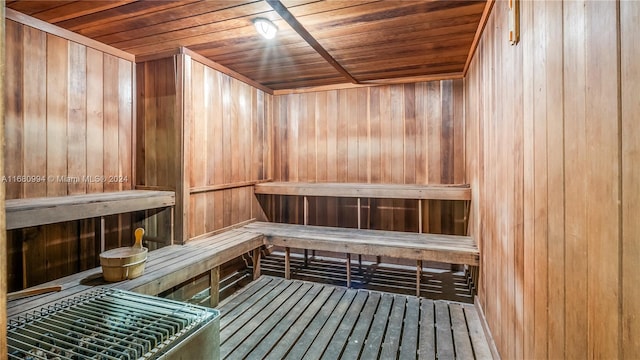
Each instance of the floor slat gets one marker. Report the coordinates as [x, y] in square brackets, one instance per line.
[264, 325]
[409, 344]
[339, 340]
[274, 318]
[478, 340]
[306, 338]
[427, 346]
[292, 316]
[391, 342]
[374, 341]
[444, 338]
[461, 339]
[361, 329]
[320, 343]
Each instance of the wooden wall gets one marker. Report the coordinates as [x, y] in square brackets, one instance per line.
[552, 133]
[68, 115]
[399, 134]
[3, 234]
[204, 135]
[229, 142]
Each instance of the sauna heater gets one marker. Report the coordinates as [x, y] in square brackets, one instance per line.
[115, 324]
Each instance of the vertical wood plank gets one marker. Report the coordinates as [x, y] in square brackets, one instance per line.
[576, 186]
[556, 178]
[57, 50]
[95, 147]
[630, 87]
[3, 233]
[35, 109]
[111, 121]
[603, 133]
[540, 176]
[77, 122]
[529, 217]
[16, 130]
[125, 125]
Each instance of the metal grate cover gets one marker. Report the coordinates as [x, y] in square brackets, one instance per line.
[105, 324]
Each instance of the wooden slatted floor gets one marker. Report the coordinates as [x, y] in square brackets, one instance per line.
[273, 318]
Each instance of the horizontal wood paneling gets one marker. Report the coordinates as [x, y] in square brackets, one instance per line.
[549, 129]
[228, 144]
[396, 134]
[68, 122]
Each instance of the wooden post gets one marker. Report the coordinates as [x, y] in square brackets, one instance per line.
[359, 215]
[418, 276]
[214, 286]
[420, 216]
[172, 230]
[102, 234]
[287, 264]
[306, 222]
[256, 263]
[348, 270]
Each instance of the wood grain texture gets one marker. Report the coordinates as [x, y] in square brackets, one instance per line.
[555, 169]
[65, 135]
[376, 42]
[630, 251]
[380, 135]
[227, 143]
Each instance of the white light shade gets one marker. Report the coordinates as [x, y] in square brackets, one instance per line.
[265, 28]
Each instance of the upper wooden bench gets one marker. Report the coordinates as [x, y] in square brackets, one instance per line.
[165, 268]
[49, 210]
[361, 190]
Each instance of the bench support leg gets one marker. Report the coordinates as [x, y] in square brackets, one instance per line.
[306, 257]
[348, 270]
[214, 283]
[256, 263]
[287, 263]
[418, 276]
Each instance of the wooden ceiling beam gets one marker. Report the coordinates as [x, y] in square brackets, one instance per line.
[297, 27]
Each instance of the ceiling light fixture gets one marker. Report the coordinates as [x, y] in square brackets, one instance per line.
[265, 28]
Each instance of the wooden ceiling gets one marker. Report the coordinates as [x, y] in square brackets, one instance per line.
[318, 43]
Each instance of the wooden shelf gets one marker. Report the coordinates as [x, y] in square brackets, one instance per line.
[41, 211]
[362, 190]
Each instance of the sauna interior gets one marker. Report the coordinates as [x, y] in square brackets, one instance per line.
[497, 140]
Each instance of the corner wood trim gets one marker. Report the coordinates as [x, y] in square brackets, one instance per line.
[485, 327]
[66, 34]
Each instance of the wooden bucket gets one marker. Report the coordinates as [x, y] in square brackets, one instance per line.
[125, 262]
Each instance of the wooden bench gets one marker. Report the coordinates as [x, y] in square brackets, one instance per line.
[420, 247]
[49, 210]
[363, 190]
[23, 213]
[165, 268]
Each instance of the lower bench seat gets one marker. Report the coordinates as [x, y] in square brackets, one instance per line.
[165, 268]
[451, 249]
[175, 264]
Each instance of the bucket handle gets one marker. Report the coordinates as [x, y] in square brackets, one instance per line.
[139, 233]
